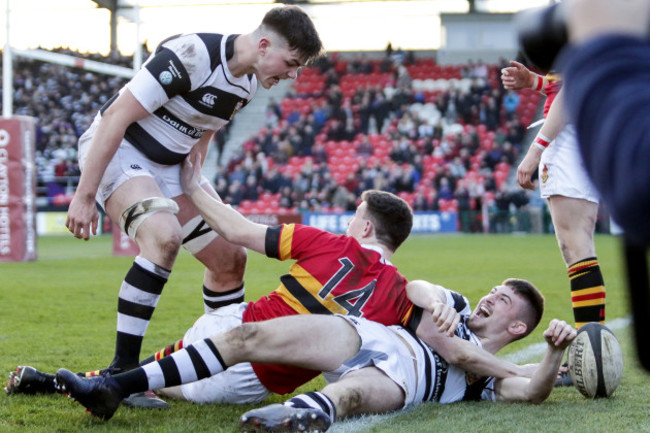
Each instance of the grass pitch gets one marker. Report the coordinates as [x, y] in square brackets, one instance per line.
[60, 311]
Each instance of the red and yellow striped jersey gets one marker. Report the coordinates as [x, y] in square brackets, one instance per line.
[333, 274]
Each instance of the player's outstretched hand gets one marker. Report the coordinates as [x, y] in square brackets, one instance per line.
[191, 173]
[559, 334]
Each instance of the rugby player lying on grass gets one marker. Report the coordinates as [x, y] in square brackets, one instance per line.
[332, 274]
[382, 368]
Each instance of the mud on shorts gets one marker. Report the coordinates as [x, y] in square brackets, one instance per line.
[238, 384]
[392, 350]
[127, 163]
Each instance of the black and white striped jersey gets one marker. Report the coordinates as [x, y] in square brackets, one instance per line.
[446, 383]
[187, 87]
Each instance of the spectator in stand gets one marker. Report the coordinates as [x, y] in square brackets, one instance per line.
[300, 186]
[319, 153]
[489, 182]
[294, 139]
[476, 192]
[381, 181]
[421, 202]
[238, 174]
[402, 77]
[331, 78]
[334, 97]
[307, 142]
[364, 111]
[272, 181]
[351, 183]
[221, 185]
[490, 115]
[406, 124]
[510, 103]
[404, 179]
[461, 195]
[250, 191]
[235, 193]
[515, 132]
[273, 113]
[493, 156]
[341, 197]
[510, 154]
[320, 112]
[380, 109]
[350, 130]
[271, 144]
[293, 116]
[457, 168]
[286, 198]
[366, 178]
[364, 148]
[336, 131]
[444, 189]
[501, 218]
[450, 111]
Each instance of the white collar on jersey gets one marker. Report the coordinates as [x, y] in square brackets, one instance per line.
[380, 250]
[224, 62]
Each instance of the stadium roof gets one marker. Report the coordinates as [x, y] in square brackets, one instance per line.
[344, 25]
[118, 5]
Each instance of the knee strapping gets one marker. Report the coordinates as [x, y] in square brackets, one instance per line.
[135, 214]
[197, 234]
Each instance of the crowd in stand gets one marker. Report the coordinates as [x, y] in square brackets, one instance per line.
[63, 101]
[327, 141]
[347, 125]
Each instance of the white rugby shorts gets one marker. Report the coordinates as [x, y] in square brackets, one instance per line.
[562, 171]
[401, 359]
[238, 384]
[127, 163]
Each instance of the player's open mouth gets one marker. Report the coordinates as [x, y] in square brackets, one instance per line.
[484, 311]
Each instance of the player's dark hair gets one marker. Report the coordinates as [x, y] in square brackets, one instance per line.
[297, 28]
[391, 216]
[534, 301]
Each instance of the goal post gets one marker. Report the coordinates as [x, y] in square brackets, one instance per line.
[17, 189]
[17, 163]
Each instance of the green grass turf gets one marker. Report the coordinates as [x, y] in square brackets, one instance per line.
[60, 310]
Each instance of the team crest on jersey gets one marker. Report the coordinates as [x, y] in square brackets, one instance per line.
[237, 108]
[209, 100]
[544, 173]
[165, 78]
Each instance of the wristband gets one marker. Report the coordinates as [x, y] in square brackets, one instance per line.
[540, 83]
[541, 141]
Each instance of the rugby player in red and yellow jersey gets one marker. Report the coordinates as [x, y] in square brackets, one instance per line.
[332, 274]
[572, 198]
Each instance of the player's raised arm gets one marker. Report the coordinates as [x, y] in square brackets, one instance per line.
[536, 389]
[518, 77]
[226, 221]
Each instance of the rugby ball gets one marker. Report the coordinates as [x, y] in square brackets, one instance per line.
[595, 361]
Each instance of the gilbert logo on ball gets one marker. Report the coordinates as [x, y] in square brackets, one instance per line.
[595, 361]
